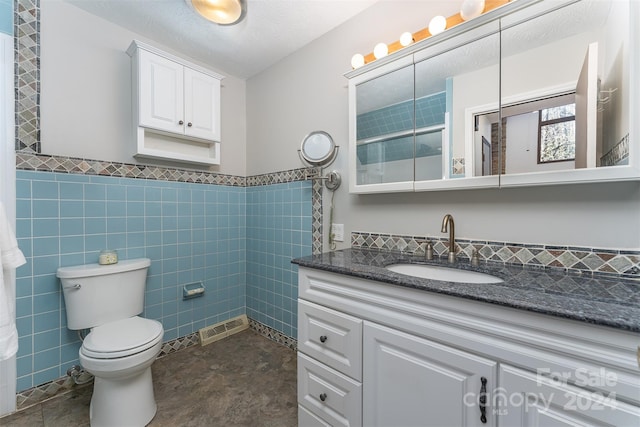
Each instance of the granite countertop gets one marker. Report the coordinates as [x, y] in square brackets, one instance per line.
[607, 301]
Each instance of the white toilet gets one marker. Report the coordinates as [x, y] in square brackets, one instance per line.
[121, 346]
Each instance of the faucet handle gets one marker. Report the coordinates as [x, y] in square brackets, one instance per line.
[429, 251]
[475, 259]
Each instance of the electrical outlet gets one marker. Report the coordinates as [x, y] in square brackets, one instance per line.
[338, 232]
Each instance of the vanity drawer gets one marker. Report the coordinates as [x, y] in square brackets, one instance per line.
[332, 337]
[307, 419]
[328, 394]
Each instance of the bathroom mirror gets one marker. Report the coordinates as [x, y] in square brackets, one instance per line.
[318, 149]
[450, 77]
[539, 92]
[565, 90]
[384, 148]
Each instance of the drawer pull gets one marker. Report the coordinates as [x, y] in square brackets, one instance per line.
[323, 338]
[483, 400]
[323, 396]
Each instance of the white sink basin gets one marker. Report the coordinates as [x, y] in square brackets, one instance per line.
[444, 274]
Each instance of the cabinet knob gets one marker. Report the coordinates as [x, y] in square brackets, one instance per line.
[189, 124]
[181, 122]
[323, 338]
[323, 396]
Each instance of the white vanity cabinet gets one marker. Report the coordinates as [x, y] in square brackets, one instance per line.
[176, 106]
[372, 354]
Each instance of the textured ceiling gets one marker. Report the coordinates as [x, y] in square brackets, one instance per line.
[272, 29]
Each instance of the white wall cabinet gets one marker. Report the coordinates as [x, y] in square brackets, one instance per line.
[372, 354]
[176, 107]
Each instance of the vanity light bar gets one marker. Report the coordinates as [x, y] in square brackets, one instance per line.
[421, 35]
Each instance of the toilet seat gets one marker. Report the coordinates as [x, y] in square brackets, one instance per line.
[122, 338]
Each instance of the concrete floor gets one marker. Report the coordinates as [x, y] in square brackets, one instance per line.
[242, 380]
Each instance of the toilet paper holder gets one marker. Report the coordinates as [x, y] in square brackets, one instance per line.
[192, 290]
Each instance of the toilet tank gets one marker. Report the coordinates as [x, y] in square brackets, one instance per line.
[96, 294]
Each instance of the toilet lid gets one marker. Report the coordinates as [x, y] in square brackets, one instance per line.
[122, 338]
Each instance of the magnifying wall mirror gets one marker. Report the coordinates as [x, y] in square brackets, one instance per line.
[318, 149]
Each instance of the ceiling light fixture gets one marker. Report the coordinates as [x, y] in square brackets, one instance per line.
[221, 12]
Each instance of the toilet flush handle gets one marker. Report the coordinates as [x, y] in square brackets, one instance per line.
[75, 286]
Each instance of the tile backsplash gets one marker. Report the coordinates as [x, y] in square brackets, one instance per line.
[575, 259]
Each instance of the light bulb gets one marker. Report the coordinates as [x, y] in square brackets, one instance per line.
[357, 61]
[381, 50]
[406, 39]
[471, 9]
[437, 25]
[223, 12]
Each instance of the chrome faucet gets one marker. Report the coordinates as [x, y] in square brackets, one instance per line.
[447, 222]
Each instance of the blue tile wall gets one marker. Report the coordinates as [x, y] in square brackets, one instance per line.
[191, 232]
[429, 111]
[6, 16]
[278, 229]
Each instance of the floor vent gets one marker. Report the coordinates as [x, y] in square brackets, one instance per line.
[222, 330]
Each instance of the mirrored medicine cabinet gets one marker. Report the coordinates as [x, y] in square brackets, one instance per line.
[537, 92]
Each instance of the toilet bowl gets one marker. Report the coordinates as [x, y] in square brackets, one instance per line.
[119, 354]
[121, 346]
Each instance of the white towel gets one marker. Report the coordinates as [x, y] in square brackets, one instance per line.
[10, 258]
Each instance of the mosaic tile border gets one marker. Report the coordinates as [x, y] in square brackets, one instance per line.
[26, 30]
[619, 152]
[316, 217]
[43, 392]
[273, 335]
[281, 177]
[592, 261]
[179, 344]
[76, 165]
[457, 165]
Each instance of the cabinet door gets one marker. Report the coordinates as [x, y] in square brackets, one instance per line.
[410, 381]
[201, 105]
[381, 128]
[161, 93]
[527, 400]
